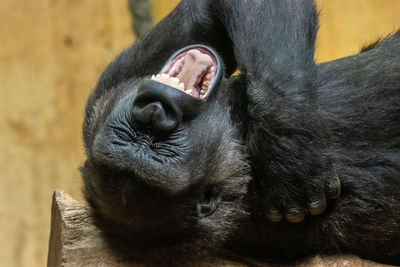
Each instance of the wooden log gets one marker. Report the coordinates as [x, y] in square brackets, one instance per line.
[75, 242]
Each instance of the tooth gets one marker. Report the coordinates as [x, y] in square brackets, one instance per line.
[153, 77]
[202, 92]
[207, 77]
[189, 91]
[181, 86]
[212, 69]
[174, 80]
[158, 77]
[206, 83]
[204, 87]
[164, 77]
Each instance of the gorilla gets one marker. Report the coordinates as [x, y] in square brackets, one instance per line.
[284, 159]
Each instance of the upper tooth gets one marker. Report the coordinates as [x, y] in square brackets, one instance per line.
[206, 83]
[164, 77]
[207, 77]
[171, 81]
[174, 80]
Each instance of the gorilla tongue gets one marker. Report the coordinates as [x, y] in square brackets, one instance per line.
[191, 73]
[193, 68]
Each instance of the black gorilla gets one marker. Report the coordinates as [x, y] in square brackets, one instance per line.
[221, 162]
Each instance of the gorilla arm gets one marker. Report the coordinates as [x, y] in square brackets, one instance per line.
[274, 46]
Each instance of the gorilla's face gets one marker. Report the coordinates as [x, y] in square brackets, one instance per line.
[164, 157]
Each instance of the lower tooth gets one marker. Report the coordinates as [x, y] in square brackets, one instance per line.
[189, 91]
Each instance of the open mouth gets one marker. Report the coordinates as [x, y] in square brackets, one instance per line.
[192, 70]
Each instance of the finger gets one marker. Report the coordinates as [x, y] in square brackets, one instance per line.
[274, 215]
[333, 188]
[317, 206]
[295, 215]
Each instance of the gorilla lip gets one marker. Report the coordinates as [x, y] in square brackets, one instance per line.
[192, 71]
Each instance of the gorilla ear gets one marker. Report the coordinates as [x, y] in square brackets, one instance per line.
[210, 201]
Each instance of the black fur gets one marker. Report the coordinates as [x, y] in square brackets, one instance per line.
[297, 125]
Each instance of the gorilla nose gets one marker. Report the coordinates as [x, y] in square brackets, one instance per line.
[156, 115]
[159, 109]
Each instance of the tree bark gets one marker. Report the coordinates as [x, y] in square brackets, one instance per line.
[142, 19]
[75, 242]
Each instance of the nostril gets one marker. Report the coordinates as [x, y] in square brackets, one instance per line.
[155, 116]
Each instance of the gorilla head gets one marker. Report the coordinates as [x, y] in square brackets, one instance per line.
[165, 165]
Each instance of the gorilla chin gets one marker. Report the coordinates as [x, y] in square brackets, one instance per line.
[166, 171]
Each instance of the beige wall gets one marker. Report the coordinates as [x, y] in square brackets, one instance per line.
[345, 25]
[51, 54]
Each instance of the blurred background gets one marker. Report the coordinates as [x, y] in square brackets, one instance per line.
[51, 55]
